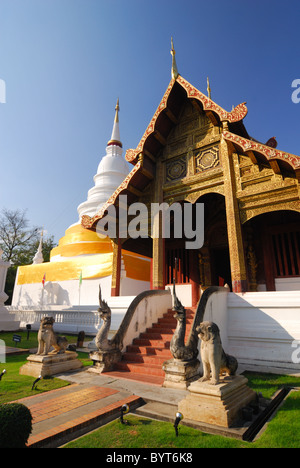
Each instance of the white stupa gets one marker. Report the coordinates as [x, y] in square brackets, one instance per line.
[83, 260]
[111, 172]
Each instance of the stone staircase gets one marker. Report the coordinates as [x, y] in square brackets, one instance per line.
[144, 358]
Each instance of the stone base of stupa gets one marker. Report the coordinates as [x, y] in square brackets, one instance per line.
[219, 404]
[51, 364]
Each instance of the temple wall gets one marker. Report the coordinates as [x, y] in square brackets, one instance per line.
[60, 293]
[262, 330]
[68, 293]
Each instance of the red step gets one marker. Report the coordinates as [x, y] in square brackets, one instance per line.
[149, 350]
[144, 358]
[139, 368]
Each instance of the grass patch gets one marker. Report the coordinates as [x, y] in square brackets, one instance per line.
[283, 431]
[268, 384]
[149, 433]
[32, 342]
[14, 386]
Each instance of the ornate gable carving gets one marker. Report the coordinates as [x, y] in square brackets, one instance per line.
[183, 155]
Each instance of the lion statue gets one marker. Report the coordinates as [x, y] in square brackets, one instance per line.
[213, 357]
[47, 338]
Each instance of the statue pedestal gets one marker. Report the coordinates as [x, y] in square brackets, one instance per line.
[104, 361]
[179, 374]
[50, 364]
[219, 404]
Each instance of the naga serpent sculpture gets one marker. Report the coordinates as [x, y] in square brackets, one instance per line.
[102, 342]
[177, 345]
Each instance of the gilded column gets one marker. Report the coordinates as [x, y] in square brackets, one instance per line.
[116, 269]
[234, 229]
[158, 249]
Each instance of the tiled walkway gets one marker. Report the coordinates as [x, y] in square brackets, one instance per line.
[73, 410]
[63, 404]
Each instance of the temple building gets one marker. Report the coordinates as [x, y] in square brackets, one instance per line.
[204, 204]
[83, 260]
[195, 152]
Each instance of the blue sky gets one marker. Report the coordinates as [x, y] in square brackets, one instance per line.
[65, 63]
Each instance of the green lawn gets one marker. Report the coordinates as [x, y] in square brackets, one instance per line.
[14, 386]
[283, 431]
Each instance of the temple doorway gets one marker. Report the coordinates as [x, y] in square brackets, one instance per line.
[220, 265]
[209, 265]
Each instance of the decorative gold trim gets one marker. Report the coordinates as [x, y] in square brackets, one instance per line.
[269, 153]
[237, 114]
[131, 154]
[249, 213]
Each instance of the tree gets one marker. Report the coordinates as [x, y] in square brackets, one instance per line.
[15, 236]
[19, 243]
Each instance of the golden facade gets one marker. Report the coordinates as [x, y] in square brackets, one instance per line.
[193, 151]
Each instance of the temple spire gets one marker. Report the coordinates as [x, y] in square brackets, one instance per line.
[174, 72]
[117, 108]
[115, 136]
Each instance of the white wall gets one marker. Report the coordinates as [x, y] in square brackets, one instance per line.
[67, 293]
[216, 311]
[183, 292]
[148, 311]
[263, 328]
[64, 293]
[287, 284]
[131, 287]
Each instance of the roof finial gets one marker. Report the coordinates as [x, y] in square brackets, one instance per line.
[208, 89]
[117, 108]
[174, 66]
[115, 136]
